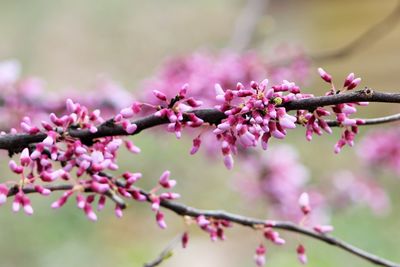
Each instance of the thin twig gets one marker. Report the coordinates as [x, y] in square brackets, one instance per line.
[386, 119]
[165, 254]
[184, 210]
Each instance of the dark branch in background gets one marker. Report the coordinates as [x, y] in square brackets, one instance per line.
[15, 143]
[246, 24]
[254, 223]
[373, 34]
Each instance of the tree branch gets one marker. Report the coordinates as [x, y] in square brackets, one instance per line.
[16, 142]
[183, 210]
[371, 35]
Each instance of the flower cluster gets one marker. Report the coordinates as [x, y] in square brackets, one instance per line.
[257, 113]
[253, 114]
[176, 110]
[315, 122]
[86, 167]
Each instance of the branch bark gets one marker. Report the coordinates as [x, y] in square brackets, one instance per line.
[183, 210]
[16, 142]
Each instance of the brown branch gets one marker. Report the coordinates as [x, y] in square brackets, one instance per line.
[373, 34]
[15, 143]
[183, 210]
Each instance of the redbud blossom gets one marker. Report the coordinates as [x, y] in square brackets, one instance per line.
[160, 220]
[41, 190]
[118, 211]
[348, 80]
[165, 181]
[301, 254]
[273, 236]
[259, 257]
[323, 229]
[3, 194]
[324, 75]
[14, 167]
[185, 239]
[89, 212]
[304, 203]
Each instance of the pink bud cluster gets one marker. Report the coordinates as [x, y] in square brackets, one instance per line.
[125, 114]
[176, 109]
[85, 166]
[253, 114]
[273, 236]
[214, 227]
[342, 113]
[167, 183]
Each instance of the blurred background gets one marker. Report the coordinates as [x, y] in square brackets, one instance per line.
[69, 43]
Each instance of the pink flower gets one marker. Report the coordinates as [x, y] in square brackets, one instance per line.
[3, 194]
[324, 75]
[165, 181]
[304, 203]
[259, 257]
[185, 239]
[323, 229]
[160, 220]
[301, 254]
[14, 167]
[89, 212]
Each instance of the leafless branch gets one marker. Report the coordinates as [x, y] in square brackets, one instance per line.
[183, 210]
[165, 254]
[16, 142]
